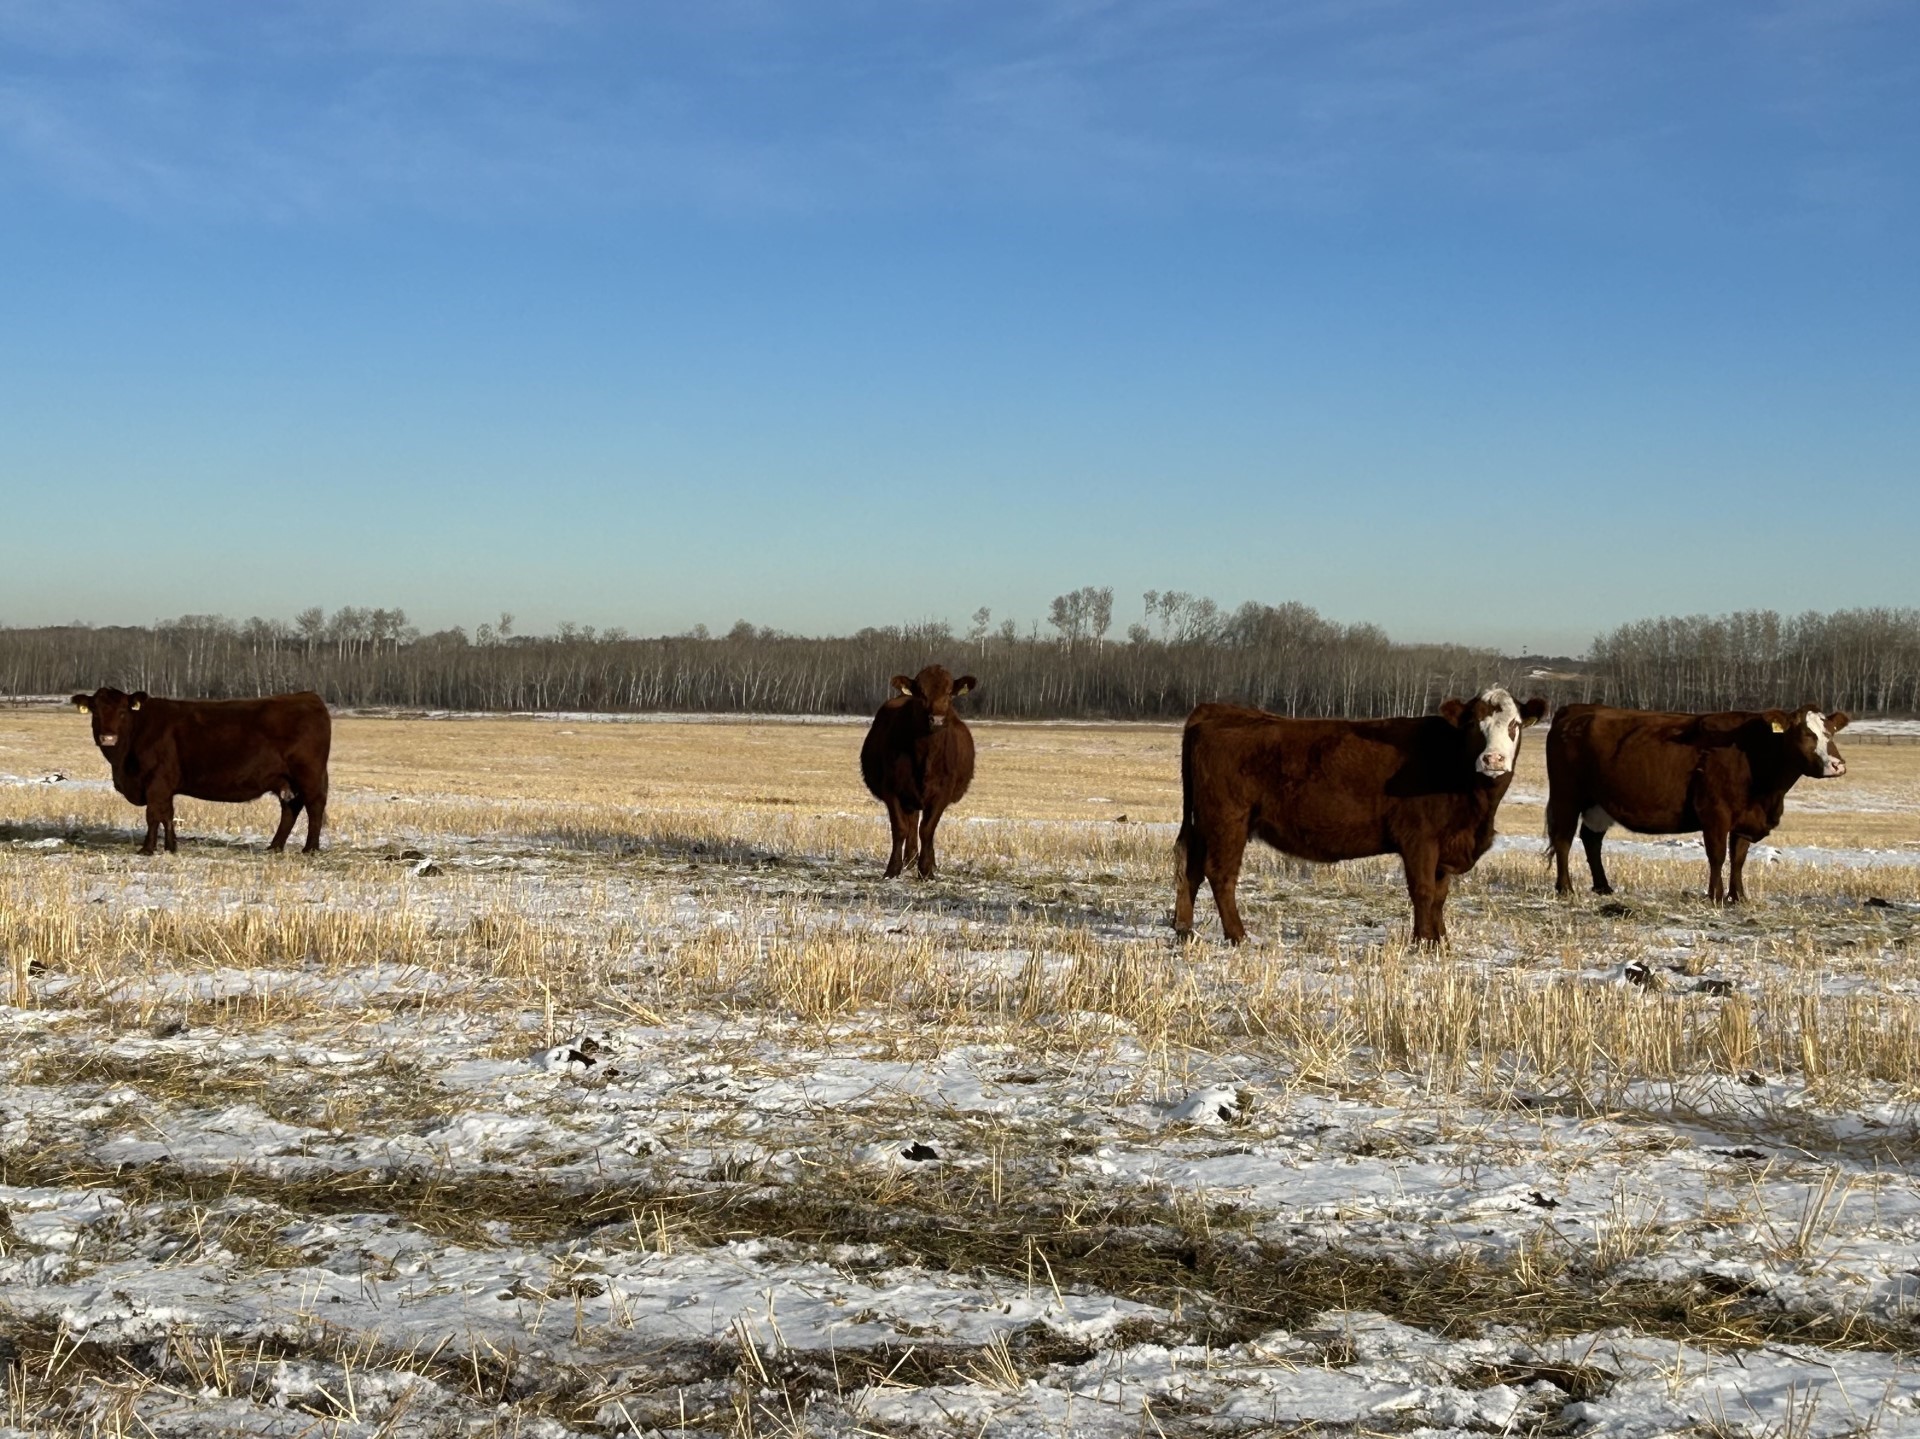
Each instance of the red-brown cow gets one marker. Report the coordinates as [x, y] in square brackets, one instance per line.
[227, 750]
[1725, 775]
[1423, 788]
[917, 760]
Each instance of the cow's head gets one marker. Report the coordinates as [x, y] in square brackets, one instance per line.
[934, 690]
[1491, 723]
[112, 712]
[1806, 736]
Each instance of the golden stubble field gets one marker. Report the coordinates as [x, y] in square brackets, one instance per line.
[1038, 772]
[569, 1012]
[1063, 843]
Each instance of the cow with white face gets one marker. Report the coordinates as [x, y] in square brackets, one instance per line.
[1425, 788]
[1499, 721]
[1724, 776]
[1824, 762]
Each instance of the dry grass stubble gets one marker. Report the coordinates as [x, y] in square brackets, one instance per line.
[589, 877]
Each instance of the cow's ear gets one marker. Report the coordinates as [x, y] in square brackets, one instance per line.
[964, 683]
[83, 703]
[139, 698]
[1779, 721]
[903, 684]
[1451, 710]
[1838, 721]
[1533, 711]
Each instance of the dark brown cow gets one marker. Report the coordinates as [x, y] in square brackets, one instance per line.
[1423, 788]
[917, 760]
[1725, 775]
[228, 750]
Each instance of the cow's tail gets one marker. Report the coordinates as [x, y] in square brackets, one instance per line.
[1190, 845]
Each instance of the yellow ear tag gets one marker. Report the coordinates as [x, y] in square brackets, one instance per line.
[136, 705]
[1779, 728]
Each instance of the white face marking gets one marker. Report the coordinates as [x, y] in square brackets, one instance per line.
[1831, 765]
[1502, 729]
[1597, 820]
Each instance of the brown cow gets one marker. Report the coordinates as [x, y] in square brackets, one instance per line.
[917, 760]
[1424, 788]
[1725, 775]
[228, 750]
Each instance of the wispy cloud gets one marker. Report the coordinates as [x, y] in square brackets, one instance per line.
[482, 107]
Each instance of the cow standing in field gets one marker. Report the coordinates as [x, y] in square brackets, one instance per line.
[917, 760]
[227, 750]
[1423, 788]
[1724, 775]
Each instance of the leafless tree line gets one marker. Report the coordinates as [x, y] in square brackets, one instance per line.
[1865, 661]
[1183, 650]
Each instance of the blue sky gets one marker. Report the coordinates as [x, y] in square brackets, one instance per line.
[1492, 322]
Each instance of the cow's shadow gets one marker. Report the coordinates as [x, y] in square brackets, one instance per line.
[856, 881]
[80, 836]
[111, 839]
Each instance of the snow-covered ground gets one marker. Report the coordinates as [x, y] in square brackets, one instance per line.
[1908, 727]
[448, 1191]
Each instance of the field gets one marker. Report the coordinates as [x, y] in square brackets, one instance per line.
[593, 1082]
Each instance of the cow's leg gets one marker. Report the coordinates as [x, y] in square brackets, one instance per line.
[1563, 818]
[1223, 877]
[159, 816]
[1437, 906]
[909, 834]
[308, 783]
[897, 819]
[1715, 836]
[1590, 840]
[316, 819]
[929, 821]
[1424, 883]
[1737, 869]
[1189, 868]
[289, 812]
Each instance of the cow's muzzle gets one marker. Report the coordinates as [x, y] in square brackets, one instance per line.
[108, 741]
[1835, 768]
[937, 721]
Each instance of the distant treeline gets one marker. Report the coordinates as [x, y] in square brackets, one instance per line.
[1285, 657]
